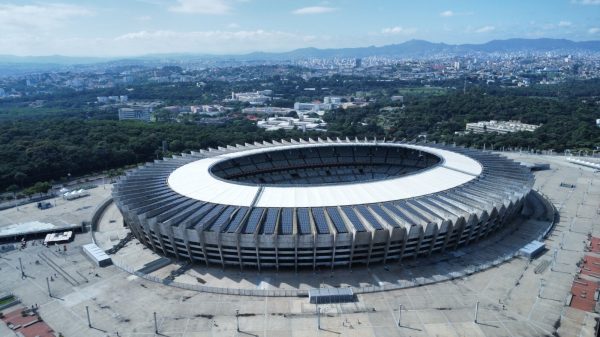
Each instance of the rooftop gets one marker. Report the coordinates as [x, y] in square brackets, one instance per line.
[195, 181]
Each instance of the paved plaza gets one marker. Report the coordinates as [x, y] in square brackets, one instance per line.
[515, 298]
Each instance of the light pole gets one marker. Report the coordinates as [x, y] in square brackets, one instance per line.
[237, 319]
[22, 272]
[87, 311]
[48, 284]
[399, 314]
[318, 318]
[476, 311]
[155, 324]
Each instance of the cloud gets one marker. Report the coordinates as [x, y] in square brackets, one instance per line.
[233, 25]
[210, 34]
[201, 7]
[449, 13]
[30, 18]
[314, 10]
[209, 41]
[485, 29]
[162, 3]
[565, 24]
[586, 2]
[397, 30]
[220, 41]
[594, 30]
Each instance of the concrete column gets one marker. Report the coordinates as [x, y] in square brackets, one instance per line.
[169, 233]
[158, 233]
[201, 236]
[436, 230]
[404, 240]
[387, 245]
[460, 230]
[449, 232]
[470, 228]
[239, 251]
[219, 246]
[314, 235]
[419, 241]
[370, 247]
[334, 238]
[186, 242]
[296, 251]
[481, 221]
[147, 229]
[276, 245]
[352, 243]
[256, 244]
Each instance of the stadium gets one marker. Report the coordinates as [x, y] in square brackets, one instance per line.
[302, 204]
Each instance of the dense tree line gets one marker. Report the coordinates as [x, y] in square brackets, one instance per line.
[567, 122]
[45, 150]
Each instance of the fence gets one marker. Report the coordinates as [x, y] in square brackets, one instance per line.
[25, 201]
[553, 213]
[96, 216]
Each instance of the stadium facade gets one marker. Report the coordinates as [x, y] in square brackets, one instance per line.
[319, 203]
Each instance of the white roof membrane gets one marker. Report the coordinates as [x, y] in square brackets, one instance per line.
[194, 180]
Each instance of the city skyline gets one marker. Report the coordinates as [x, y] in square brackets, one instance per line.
[140, 27]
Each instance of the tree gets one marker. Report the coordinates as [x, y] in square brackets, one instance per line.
[39, 187]
[20, 178]
[292, 114]
[12, 188]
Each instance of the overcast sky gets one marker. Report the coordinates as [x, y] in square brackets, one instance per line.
[138, 27]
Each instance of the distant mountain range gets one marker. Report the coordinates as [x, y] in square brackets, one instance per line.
[421, 48]
[409, 49]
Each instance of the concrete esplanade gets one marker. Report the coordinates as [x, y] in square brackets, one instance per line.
[319, 203]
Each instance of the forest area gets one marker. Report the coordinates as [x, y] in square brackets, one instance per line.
[46, 147]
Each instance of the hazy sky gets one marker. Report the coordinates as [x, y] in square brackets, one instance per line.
[137, 27]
